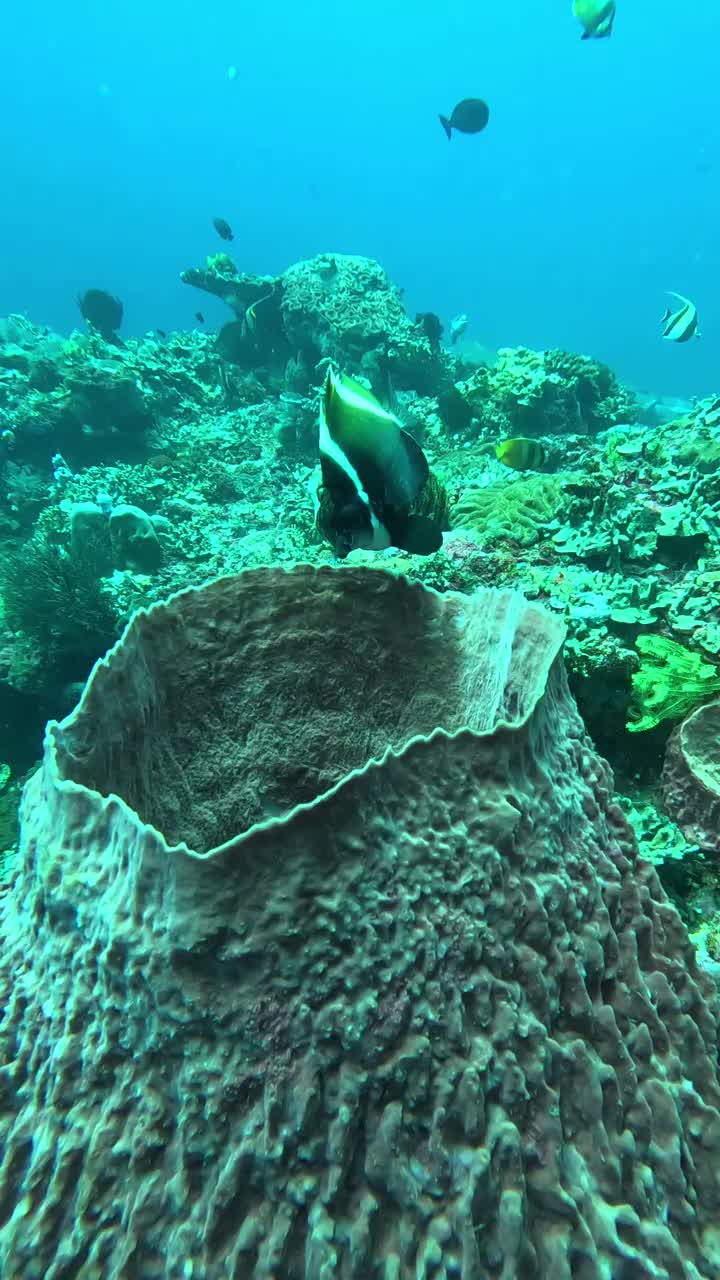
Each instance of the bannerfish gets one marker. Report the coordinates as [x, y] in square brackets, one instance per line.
[520, 453]
[458, 325]
[223, 229]
[596, 17]
[199, 317]
[251, 318]
[469, 116]
[431, 326]
[372, 473]
[103, 311]
[682, 324]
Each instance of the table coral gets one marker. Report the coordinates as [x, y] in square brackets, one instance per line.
[327, 953]
[221, 278]
[335, 306]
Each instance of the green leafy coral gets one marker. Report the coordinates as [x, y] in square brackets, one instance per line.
[512, 512]
[670, 683]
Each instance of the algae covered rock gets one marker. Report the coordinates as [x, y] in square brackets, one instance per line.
[363, 974]
[134, 540]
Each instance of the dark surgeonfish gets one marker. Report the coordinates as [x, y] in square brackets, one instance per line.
[596, 17]
[372, 473]
[682, 324]
[223, 229]
[469, 116]
[103, 311]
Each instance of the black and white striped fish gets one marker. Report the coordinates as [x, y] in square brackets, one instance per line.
[682, 324]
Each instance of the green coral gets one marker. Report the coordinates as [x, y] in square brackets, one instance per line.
[670, 683]
[512, 512]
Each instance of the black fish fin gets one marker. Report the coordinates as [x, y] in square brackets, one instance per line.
[420, 535]
[446, 126]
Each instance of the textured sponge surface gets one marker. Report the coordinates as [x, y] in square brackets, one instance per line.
[421, 1018]
[233, 704]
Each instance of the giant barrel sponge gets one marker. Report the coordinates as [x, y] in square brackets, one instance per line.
[328, 954]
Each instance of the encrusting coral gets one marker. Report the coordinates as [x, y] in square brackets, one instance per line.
[327, 953]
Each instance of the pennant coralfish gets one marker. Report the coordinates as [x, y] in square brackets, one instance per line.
[682, 324]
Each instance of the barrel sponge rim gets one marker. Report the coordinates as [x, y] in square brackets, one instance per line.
[527, 616]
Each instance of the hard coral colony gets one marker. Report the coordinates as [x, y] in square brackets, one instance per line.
[361, 912]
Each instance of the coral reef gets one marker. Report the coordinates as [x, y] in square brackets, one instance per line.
[90, 400]
[345, 967]
[333, 307]
[538, 392]
[213, 440]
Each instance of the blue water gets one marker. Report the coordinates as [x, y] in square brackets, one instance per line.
[595, 188]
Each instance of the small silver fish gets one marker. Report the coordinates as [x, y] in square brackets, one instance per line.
[457, 327]
[682, 324]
